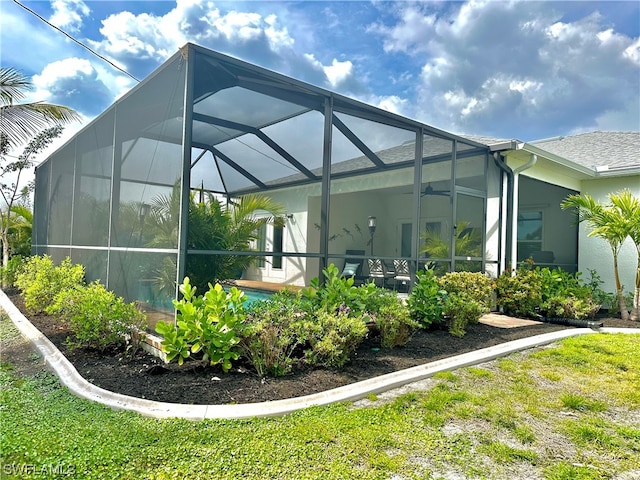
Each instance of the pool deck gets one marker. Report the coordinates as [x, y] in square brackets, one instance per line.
[265, 286]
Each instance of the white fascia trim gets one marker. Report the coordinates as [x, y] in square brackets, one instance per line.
[527, 147]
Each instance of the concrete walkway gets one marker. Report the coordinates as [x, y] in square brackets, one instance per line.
[70, 377]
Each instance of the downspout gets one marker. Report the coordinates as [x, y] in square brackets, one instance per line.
[507, 208]
[514, 219]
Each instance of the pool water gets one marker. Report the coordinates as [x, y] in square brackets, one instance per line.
[255, 295]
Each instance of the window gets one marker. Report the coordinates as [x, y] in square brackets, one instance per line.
[261, 243]
[278, 234]
[529, 233]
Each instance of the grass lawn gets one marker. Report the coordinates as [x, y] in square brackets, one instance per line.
[566, 411]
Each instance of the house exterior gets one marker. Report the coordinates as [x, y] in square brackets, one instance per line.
[207, 122]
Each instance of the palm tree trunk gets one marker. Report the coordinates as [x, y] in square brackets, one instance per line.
[622, 305]
[635, 309]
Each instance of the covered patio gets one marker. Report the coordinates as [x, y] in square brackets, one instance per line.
[357, 183]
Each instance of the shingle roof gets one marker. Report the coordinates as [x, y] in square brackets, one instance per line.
[596, 149]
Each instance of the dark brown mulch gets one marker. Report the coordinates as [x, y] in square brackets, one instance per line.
[145, 376]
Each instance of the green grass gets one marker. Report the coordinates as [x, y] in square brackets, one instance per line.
[473, 423]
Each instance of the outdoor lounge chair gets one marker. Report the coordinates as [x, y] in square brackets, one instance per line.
[401, 272]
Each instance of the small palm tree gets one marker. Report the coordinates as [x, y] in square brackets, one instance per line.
[213, 226]
[608, 222]
[20, 229]
[629, 207]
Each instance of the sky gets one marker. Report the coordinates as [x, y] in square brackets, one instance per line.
[506, 69]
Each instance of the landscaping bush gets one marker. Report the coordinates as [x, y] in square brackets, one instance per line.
[519, 295]
[270, 338]
[461, 309]
[98, 318]
[9, 273]
[340, 293]
[40, 281]
[551, 293]
[394, 321]
[474, 285]
[570, 307]
[211, 324]
[426, 299]
[333, 337]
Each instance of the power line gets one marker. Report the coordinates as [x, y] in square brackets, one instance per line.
[76, 41]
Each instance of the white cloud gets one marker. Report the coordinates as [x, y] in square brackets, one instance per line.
[489, 66]
[391, 103]
[338, 72]
[74, 82]
[143, 40]
[412, 32]
[68, 14]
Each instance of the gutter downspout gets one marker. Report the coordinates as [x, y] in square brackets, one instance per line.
[514, 219]
[507, 208]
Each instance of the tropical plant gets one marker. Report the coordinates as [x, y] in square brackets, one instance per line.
[613, 222]
[213, 226]
[338, 293]
[21, 121]
[468, 243]
[20, 229]
[209, 324]
[629, 207]
[34, 123]
[426, 299]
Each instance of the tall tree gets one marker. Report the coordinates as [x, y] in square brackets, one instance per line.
[608, 222]
[19, 122]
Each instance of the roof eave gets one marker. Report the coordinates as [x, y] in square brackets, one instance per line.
[529, 148]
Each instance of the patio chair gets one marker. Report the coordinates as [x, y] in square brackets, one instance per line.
[402, 272]
[377, 271]
[353, 267]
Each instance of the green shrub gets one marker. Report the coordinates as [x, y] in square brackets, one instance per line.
[333, 337]
[339, 293]
[394, 321]
[40, 281]
[570, 307]
[98, 318]
[269, 339]
[9, 273]
[426, 299]
[475, 285]
[460, 310]
[210, 324]
[519, 294]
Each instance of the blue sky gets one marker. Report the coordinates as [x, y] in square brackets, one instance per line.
[507, 69]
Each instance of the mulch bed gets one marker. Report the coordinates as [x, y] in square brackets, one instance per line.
[144, 376]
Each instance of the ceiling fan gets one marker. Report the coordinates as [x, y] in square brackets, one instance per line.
[429, 190]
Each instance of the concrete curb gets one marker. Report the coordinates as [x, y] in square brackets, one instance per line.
[70, 377]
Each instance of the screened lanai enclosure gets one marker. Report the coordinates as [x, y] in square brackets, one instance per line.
[354, 183]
